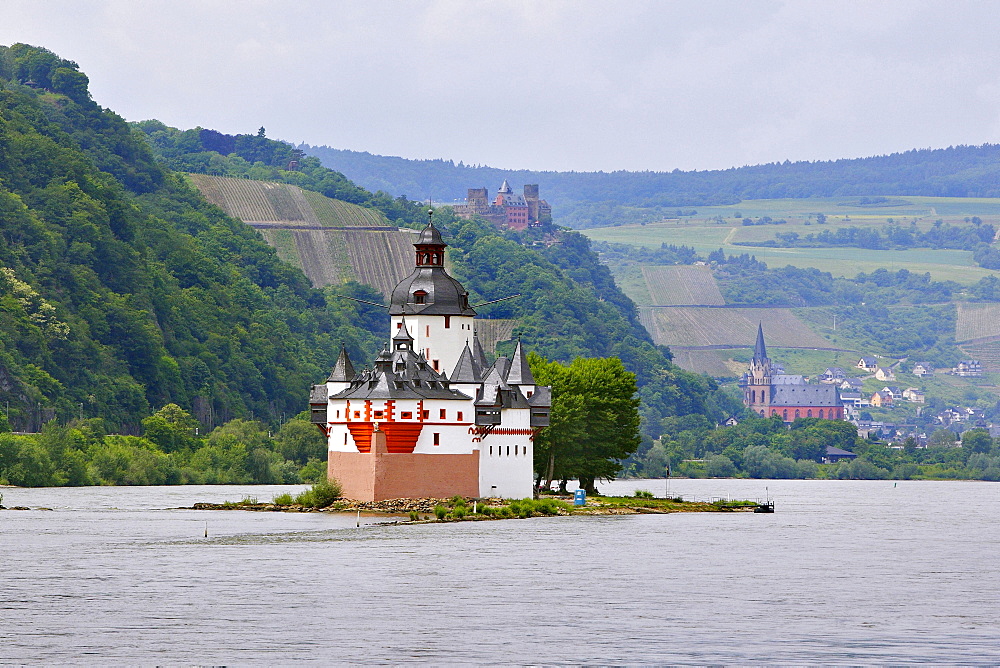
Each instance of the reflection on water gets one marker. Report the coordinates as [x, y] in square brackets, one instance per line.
[843, 572]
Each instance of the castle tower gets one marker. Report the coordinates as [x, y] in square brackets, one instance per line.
[434, 305]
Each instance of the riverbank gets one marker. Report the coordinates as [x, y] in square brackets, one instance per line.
[458, 508]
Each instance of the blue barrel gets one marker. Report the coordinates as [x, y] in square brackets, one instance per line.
[580, 497]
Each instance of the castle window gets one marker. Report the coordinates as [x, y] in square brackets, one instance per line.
[821, 414]
[338, 414]
[459, 416]
[444, 414]
[809, 413]
[508, 451]
[796, 414]
[357, 414]
[435, 364]
[406, 415]
[419, 297]
[784, 415]
[427, 415]
[491, 451]
[529, 394]
[345, 438]
[447, 322]
[437, 438]
[378, 415]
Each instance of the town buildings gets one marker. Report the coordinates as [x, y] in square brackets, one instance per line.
[432, 417]
[767, 393]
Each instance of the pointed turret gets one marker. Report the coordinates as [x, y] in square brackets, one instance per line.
[467, 370]
[505, 188]
[402, 339]
[343, 370]
[519, 372]
[760, 351]
[478, 354]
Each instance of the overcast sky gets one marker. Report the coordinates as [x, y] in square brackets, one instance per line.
[548, 84]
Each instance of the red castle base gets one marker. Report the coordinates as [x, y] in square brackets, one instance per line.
[379, 475]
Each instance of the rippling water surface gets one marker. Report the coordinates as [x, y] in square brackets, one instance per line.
[844, 572]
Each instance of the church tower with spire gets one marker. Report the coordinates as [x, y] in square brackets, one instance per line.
[757, 380]
[432, 417]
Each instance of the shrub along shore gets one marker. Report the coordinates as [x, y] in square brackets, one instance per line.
[463, 509]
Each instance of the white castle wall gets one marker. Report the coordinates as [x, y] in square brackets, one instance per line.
[437, 342]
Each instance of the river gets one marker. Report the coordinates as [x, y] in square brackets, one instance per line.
[849, 572]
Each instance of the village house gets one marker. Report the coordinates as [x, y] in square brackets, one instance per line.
[832, 374]
[854, 399]
[854, 384]
[869, 364]
[913, 395]
[881, 399]
[432, 417]
[968, 368]
[884, 373]
[922, 369]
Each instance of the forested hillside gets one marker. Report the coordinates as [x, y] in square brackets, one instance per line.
[122, 289]
[585, 199]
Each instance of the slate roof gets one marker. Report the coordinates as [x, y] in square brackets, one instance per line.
[443, 294]
[813, 396]
[400, 374]
[760, 350]
[343, 370]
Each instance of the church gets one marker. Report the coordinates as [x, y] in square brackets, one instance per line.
[768, 393]
[432, 417]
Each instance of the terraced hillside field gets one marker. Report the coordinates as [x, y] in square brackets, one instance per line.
[977, 321]
[380, 259]
[697, 327]
[261, 203]
[682, 285]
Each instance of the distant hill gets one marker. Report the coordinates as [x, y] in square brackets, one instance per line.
[585, 199]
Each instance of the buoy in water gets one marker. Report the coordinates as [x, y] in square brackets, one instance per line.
[206, 529]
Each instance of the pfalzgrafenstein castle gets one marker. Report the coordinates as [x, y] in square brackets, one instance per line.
[431, 417]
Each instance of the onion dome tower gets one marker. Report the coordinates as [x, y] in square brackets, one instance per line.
[435, 305]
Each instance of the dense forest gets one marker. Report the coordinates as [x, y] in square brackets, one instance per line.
[585, 199]
[123, 290]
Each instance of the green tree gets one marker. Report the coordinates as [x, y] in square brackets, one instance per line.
[977, 440]
[604, 429]
[299, 440]
[172, 428]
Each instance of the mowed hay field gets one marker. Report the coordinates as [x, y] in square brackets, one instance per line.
[692, 326]
[682, 285]
[977, 321]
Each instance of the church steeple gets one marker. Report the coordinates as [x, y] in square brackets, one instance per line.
[760, 351]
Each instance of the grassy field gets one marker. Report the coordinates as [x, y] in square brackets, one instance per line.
[705, 233]
[680, 285]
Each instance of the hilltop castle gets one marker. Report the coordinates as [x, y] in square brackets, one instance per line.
[432, 417]
[508, 209]
[768, 393]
